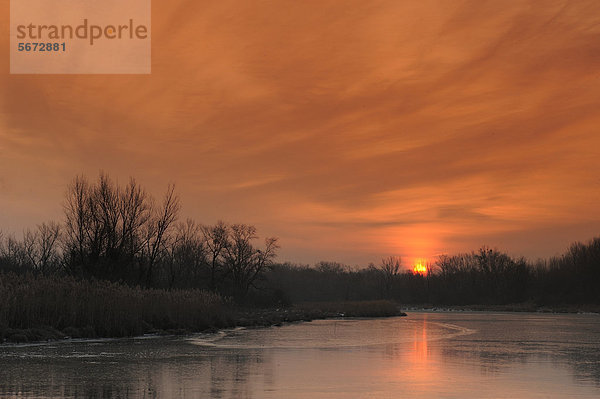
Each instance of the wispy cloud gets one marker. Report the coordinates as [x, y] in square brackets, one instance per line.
[358, 128]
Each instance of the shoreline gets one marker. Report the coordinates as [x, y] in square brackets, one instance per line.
[511, 308]
[248, 317]
[277, 317]
[237, 317]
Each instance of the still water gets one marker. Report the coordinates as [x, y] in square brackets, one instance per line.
[424, 355]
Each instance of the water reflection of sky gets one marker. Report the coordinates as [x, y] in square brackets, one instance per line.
[426, 355]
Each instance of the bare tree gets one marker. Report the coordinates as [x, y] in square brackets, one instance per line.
[157, 232]
[134, 210]
[215, 240]
[390, 268]
[187, 255]
[100, 223]
[112, 230]
[244, 262]
[41, 247]
[77, 223]
[13, 254]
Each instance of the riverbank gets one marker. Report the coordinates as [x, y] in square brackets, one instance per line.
[517, 307]
[37, 308]
[308, 311]
[235, 317]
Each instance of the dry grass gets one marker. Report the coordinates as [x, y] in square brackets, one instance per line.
[104, 309]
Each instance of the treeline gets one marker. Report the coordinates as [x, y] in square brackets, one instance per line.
[120, 233]
[486, 277]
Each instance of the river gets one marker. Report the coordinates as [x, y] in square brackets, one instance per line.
[425, 355]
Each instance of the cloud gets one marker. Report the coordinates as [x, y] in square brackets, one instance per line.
[363, 127]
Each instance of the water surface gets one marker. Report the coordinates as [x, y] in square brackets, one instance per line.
[424, 355]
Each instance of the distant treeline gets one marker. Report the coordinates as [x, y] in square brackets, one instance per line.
[486, 277]
[120, 233]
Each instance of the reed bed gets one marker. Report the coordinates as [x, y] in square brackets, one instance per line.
[102, 309]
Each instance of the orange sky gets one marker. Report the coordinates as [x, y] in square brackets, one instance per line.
[350, 129]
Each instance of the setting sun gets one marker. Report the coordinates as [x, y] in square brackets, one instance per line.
[420, 267]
